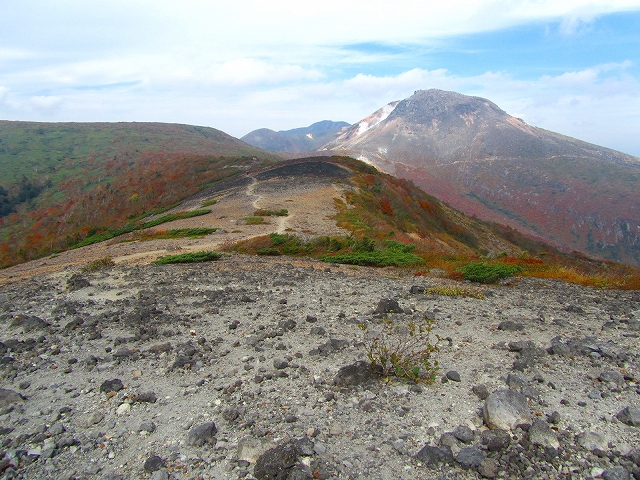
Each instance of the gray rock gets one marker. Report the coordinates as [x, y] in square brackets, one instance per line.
[280, 363]
[93, 419]
[540, 433]
[432, 455]
[388, 305]
[612, 377]
[114, 385]
[496, 440]
[161, 474]
[488, 468]
[357, 373]
[629, 416]
[506, 409]
[148, 427]
[276, 462]
[616, 473]
[463, 433]
[592, 441]
[515, 382]
[481, 391]
[9, 397]
[510, 326]
[453, 376]
[153, 463]
[201, 434]
[77, 282]
[470, 457]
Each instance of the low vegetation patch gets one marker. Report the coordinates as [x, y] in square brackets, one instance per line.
[283, 212]
[189, 258]
[173, 233]
[403, 351]
[99, 264]
[483, 272]
[209, 203]
[454, 291]
[174, 216]
[255, 221]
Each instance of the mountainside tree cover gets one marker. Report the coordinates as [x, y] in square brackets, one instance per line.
[60, 183]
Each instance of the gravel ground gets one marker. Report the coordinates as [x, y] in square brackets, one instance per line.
[232, 369]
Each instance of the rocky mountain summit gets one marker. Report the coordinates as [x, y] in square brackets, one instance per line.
[297, 140]
[469, 153]
[256, 367]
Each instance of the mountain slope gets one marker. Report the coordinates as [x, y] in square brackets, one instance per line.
[471, 154]
[60, 182]
[297, 140]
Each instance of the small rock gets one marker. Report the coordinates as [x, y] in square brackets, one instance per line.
[506, 409]
[488, 468]
[470, 457]
[153, 463]
[496, 440]
[280, 363]
[275, 462]
[453, 376]
[431, 455]
[114, 385]
[93, 419]
[204, 433]
[592, 441]
[357, 373]
[510, 326]
[9, 397]
[629, 416]
[616, 473]
[481, 391]
[123, 409]
[463, 433]
[388, 305]
[161, 474]
[541, 433]
[612, 377]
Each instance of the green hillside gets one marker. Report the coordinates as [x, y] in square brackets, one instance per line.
[60, 182]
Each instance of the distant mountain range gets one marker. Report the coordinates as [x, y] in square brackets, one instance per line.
[298, 140]
[474, 156]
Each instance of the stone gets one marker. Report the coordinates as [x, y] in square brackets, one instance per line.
[276, 462]
[510, 326]
[488, 468]
[93, 418]
[629, 416]
[470, 457]
[201, 434]
[161, 474]
[481, 391]
[123, 409]
[430, 455]
[592, 441]
[496, 440]
[153, 463]
[280, 363]
[9, 397]
[612, 377]
[114, 385]
[463, 433]
[250, 449]
[540, 433]
[515, 382]
[358, 373]
[506, 409]
[453, 376]
[616, 473]
[388, 305]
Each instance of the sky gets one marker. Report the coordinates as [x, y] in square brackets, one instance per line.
[571, 66]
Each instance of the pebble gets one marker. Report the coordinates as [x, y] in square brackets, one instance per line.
[506, 409]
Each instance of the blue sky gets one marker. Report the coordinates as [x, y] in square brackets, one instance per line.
[570, 66]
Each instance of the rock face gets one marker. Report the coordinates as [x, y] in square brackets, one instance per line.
[219, 379]
[506, 409]
[507, 162]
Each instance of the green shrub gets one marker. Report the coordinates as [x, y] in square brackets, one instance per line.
[488, 273]
[454, 291]
[209, 203]
[268, 251]
[364, 244]
[403, 247]
[189, 258]
[255, 221]
[99, 264]
[377, 258]
[271, 213]
[278, 239]
[402, 350]
[173, 216]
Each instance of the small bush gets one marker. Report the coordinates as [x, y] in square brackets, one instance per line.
[99, 264]
[488, 273]
[377, 258]
[188, 258]
[454, 291]
[255, 221]
[403, 247]
[271, 213]
[209, 203]
[268, 251]
[402, 351]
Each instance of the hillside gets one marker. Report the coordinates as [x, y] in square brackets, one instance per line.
[472, 155]
[62, 182]
[297, 140]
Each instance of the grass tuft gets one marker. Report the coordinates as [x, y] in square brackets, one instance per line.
[188, 258]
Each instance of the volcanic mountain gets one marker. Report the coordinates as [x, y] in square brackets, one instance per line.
[298, 140]
[471, 154]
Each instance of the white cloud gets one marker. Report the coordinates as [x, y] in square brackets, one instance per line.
[45, 104]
